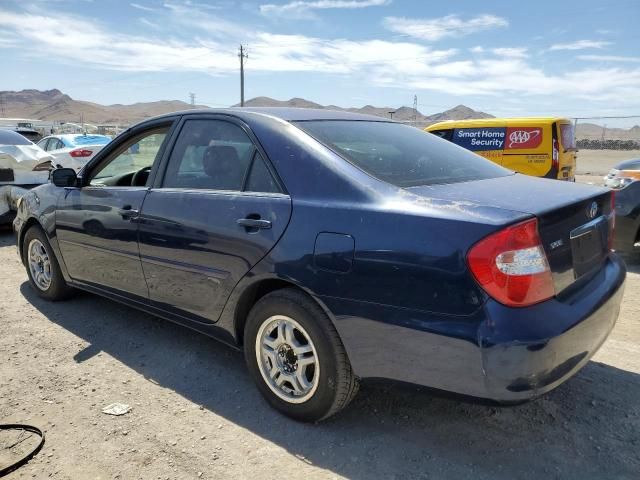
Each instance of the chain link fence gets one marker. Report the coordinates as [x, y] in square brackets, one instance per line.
[608, 133]
[603, 142]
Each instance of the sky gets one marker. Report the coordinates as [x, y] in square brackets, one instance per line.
[570, 57]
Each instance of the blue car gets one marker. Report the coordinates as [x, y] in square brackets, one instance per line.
[332, 247]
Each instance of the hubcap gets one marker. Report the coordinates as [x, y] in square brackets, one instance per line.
[287, 359]
[39, 264]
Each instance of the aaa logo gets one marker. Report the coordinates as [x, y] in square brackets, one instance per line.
[524, 137]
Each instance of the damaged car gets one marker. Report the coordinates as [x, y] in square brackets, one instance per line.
[23, 165]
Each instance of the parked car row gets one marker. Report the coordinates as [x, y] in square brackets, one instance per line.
[24, 165]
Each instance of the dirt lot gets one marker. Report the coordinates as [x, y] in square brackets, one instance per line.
[196, 413]
[599, 162]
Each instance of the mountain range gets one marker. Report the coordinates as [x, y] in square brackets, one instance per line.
[53, 105]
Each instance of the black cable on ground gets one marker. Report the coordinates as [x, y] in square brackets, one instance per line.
[29, 428]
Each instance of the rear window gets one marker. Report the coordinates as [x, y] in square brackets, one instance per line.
[88, 140]
[399, 154]
[7, 137]
[568, 136]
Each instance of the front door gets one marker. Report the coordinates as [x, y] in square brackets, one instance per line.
[216, 213]
[97, 224]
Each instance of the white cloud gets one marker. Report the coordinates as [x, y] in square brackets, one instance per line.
[608, 58]
[303, 8]
[433, 29]
[142, 7]
[580, 45]
[506, 73]
[511, 52]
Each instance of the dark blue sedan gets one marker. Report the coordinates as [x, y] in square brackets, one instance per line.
[331, 247]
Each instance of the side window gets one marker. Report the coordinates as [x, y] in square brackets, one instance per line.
[54, 144]
[209, 154]
[131, 161]
[447, 134]
[43, 143]
[260, 179]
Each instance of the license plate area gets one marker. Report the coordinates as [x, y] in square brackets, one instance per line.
[6, 175]
[589, 245]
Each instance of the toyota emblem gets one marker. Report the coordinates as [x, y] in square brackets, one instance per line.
[592, 211]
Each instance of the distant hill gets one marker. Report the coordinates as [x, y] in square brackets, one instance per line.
[53, 105]
[591, 131]
[403, 114]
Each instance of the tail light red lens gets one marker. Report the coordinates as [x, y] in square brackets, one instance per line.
[511, 265]
[555, 155]
[80, 152]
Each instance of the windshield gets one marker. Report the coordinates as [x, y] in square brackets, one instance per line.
[88, 140]
[399, 154]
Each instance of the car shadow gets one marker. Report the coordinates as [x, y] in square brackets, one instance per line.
[587, 428]
[411, 425]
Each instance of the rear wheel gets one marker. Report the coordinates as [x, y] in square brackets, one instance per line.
[43, 269]
[296, 357]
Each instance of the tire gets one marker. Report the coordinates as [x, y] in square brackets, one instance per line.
[56, 288]
[325, 365]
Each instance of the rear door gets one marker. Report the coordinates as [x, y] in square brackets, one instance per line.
[218, 210]
[527, 149]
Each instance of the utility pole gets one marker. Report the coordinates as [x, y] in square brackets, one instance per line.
[192, 98]
[415, 110]
[1, 106]
[242, 55]
[391, 114]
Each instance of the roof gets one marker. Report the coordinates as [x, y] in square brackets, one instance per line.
[10, 137]
[631, 164]
[497, 122]
[284, 113]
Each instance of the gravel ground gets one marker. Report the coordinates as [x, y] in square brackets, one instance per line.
[196, 413]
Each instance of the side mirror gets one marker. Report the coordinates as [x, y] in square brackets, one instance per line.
[64, 177]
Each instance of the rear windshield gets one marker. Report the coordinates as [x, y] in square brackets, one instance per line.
[88, 140]
[7, 137]
[399, 154]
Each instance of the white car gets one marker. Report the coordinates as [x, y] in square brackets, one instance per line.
[22, 165]
[73, 151]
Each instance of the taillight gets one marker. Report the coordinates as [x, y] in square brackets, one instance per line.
[555, 155]
[612, 220]
[80, 152]
[511, 265]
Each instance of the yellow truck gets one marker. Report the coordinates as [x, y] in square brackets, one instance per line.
[541, 147]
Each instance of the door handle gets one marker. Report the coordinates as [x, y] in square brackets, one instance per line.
[127, 212]
[253, 223]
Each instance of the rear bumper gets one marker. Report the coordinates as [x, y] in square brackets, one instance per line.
[501, 353]
[570, 332]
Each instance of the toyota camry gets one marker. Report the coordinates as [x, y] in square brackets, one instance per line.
[332, 247]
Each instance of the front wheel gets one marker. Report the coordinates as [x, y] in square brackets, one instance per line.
[296, 357]
[43, 269]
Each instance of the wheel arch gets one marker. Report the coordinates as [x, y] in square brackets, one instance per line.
[255, 291]
[28, 224]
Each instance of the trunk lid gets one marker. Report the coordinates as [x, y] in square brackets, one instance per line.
[573, 219]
